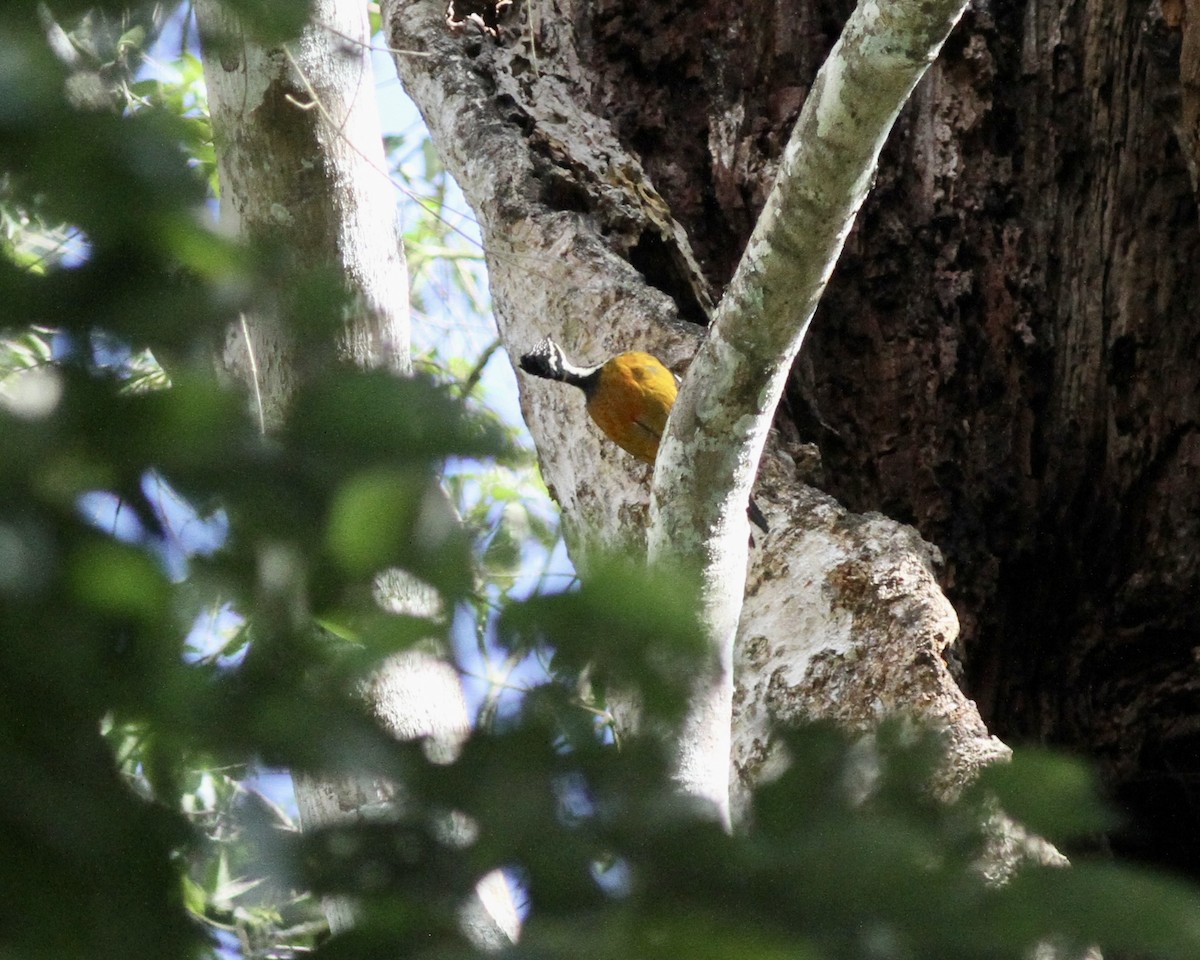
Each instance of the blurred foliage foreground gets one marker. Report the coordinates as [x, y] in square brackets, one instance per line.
[126, 825]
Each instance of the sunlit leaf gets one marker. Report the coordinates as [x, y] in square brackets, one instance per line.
[1051, 794]
[374, 516]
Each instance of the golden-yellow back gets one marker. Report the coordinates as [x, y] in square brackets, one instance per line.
[631, 402]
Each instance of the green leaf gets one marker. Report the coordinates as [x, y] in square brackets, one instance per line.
[703, 936]
[374, 517]
[1052, 795]
[132, 39]
[191, 425]
[119, 581]
[1117, 908]
[503, 553]
[631, 626]
[362, 419]
[194, 897]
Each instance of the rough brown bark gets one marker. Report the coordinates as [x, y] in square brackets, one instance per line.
[1007, 356]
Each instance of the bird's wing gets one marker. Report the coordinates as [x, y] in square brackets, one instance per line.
[649, 427]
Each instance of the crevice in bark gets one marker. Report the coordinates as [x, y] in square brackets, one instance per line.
[656, 260]
[706, 95]
[484, 14]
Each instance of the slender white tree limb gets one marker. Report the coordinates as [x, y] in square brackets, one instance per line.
[719, 425]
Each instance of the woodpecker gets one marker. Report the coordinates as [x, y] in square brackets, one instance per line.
[629, 397]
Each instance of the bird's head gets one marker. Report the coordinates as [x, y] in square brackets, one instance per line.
[546, 360]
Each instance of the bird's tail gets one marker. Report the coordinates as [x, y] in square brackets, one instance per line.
[547, 361]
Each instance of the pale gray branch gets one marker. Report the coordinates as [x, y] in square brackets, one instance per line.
[719, 425]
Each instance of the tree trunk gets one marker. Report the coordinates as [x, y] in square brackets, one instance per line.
[1007, 354]
[1050, 435]
[843, 616]
[1005, 358]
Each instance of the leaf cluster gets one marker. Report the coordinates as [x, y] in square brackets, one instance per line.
[105, 715]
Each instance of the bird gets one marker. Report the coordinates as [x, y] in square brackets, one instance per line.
[629, 397]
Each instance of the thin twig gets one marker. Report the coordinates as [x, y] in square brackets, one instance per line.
[258, 398]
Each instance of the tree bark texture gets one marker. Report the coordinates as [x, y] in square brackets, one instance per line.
[1007, 354]
[843, 615]
[296, 133]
